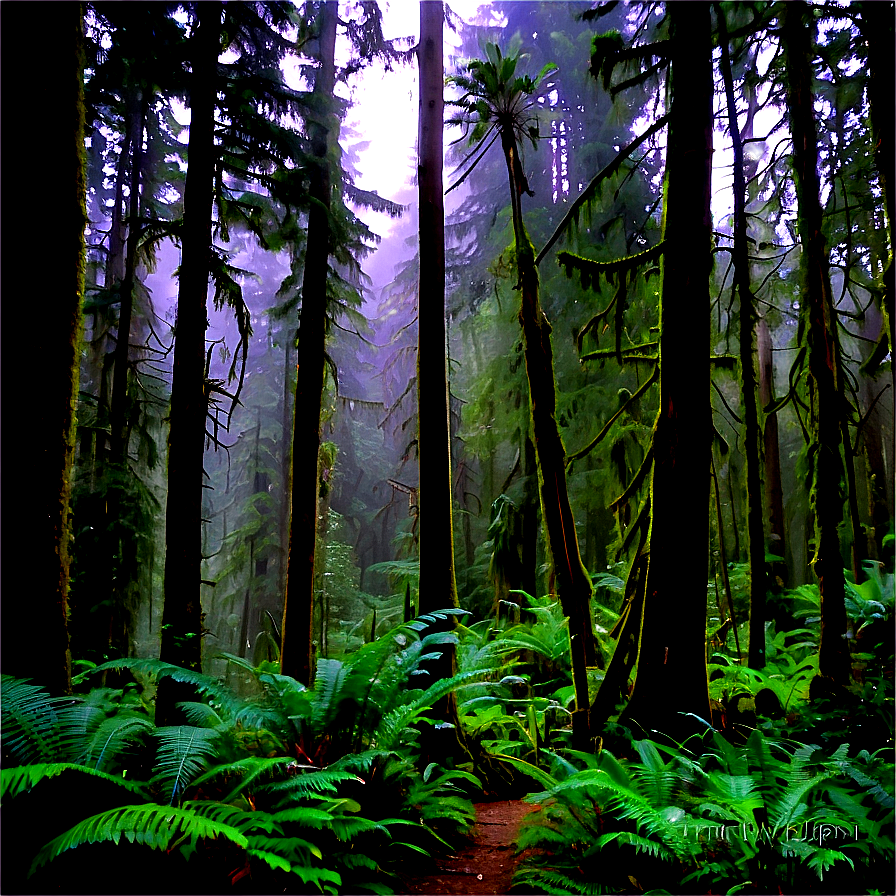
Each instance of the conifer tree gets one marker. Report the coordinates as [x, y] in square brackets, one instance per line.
[820, 327]
[297, 632]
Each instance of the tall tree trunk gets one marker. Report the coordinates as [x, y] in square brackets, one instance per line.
[774, 491]
[826, 498]
[182, 612]
[297, 633]
[285, 468]
[118, 409]
[747, 310]
[876, 25]
[41, 535]
[529, 511]
[671, 677]
[437, 576]
[573, 582]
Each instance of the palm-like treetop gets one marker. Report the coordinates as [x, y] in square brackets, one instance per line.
[496, 102]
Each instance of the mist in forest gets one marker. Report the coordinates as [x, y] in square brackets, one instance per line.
[448, 401]
[368, 523]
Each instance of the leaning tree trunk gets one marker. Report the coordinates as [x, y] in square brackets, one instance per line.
[297, 633]
[182, 612]
[752, 428]
[572, 580]
[671, 676]
[36, 641]
[820, 323]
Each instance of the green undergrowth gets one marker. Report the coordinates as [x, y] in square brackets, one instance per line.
[766, 816]
[296, 789]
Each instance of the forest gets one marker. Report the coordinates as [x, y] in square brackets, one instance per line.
[642, 253]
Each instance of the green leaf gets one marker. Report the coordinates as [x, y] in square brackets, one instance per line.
[151, 825]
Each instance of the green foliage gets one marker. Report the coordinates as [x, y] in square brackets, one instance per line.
[768, 814]
[232, 778]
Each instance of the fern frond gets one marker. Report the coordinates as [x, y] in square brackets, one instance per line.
[249, 769]
[389, 731]
[151, 825]
[23, 778]
[329, 679]
[821, 859]
[642, 844]
[318, 781]
[540, 837]
[792, 803]
[156, 669]
[554, 881]
[278, 863]
[182, 755]
[307, 816]
[201, 715]
[29, 720]
[318, 876]
[112, 738]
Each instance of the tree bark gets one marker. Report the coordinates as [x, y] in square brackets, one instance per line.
[774, 491]
[876, 25]
[671, 677]
[572, 580]
[182, 612]
[826, 498]
[752, 428]
[297, 645]
[38, 533]
[438, 588]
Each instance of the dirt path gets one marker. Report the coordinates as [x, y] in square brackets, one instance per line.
[485, 866]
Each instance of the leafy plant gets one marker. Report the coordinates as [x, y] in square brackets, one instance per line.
[765, 815]
[270, 783]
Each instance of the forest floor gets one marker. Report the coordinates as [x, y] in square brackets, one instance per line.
[485, 865]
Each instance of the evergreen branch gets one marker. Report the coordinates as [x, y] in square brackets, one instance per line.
[637, 479]
[634, 354]
[589, 194]
[597, 439]
[589, 269]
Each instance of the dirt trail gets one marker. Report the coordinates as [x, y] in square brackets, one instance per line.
[485, 866]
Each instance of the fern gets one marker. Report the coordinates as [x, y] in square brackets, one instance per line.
[21, 779]
[318, 781]
[30, 720]
[151, 825]
[182, 756]
[249, 769]
[306, 816]
[112, 738]
[393, 725]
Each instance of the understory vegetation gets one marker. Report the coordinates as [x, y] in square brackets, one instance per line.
[634, 358]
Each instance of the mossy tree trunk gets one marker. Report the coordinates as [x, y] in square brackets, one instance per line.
[820, 325]
[297, 633]
[572, 580]
[182, 613]
[38, 530]
[671, 676]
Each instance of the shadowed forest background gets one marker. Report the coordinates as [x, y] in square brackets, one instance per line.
[550, 457]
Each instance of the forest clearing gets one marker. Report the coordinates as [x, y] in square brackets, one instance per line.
[642, 255]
